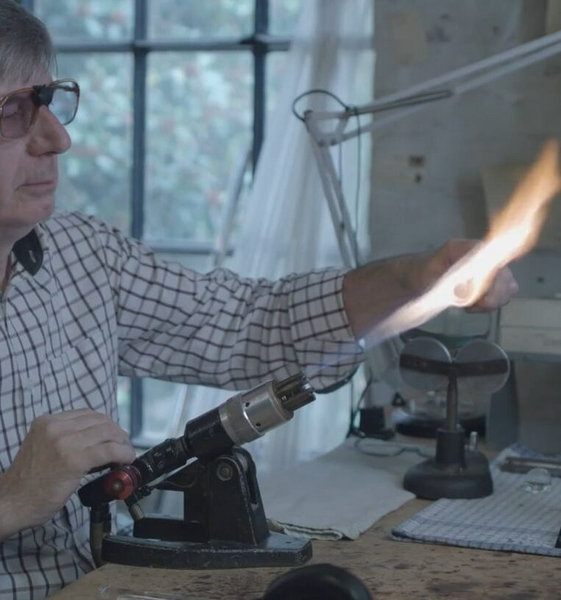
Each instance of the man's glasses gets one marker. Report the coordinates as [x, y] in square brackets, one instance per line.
[18, 109]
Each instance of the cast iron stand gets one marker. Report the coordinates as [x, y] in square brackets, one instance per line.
[223, 526]
[454, 472]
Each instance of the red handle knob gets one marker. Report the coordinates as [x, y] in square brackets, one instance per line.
[121, 482]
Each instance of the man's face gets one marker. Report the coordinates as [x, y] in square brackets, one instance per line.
[28, 168]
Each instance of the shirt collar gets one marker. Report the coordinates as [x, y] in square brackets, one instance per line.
[29, 252]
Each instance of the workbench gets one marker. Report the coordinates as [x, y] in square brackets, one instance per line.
[391, 570]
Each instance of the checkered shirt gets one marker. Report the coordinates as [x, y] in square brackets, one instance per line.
[86, 304]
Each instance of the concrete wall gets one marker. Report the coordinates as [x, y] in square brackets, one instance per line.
[427, 168]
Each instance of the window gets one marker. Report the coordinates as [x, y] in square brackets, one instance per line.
[174, 96]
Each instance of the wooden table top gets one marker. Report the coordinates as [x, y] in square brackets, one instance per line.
[391, 570]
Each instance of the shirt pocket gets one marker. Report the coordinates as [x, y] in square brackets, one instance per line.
[79, 377]
[94, 377]
[48, 392]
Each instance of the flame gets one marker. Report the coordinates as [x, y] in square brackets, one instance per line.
[513, 232]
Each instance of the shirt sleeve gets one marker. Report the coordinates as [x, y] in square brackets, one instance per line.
[222, 330]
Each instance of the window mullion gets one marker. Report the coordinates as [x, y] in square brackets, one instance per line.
[137, 174]
[139, 120]
[260, 75]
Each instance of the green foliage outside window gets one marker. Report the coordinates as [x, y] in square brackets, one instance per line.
[96, 172]
[199, 123]
[87, 19]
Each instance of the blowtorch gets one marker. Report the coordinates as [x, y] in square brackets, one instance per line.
[241, 419]
[224, 522]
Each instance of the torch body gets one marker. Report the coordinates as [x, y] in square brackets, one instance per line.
[241, 419]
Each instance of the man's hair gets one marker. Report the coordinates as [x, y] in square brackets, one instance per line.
[25, 43]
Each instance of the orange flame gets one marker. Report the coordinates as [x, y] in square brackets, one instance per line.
[513, 232]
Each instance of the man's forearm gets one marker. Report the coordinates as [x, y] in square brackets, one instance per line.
[372, 292]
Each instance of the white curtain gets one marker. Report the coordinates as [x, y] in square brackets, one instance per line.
[285, 224]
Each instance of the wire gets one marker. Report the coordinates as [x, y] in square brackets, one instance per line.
[358, 176]
[390, 449]
[354, 411]
[315, 91]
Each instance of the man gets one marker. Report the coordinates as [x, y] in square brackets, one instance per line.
[81, 303]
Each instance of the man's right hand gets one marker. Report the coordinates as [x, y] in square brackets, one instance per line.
[57, 452]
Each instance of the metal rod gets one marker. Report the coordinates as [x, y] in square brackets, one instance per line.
[520, 64]
[323, 138]
[456, 91]
[487, 63]
[233, 195]
[381, 105]
[452, 404]
[343, 234]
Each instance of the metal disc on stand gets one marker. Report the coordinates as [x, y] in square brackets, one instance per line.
[422, 423]
[422, 418]
[491, 367]
[479, 367]
[427, 351]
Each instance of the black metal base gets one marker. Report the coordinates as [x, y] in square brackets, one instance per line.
[453, 473]
[372, 424]
[426, 427]
[277, 550]
[223, 525]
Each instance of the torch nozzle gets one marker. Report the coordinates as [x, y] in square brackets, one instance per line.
[294, 392]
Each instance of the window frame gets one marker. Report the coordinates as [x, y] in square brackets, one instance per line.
[259, 43]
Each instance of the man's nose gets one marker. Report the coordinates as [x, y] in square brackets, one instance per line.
[48, 135]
